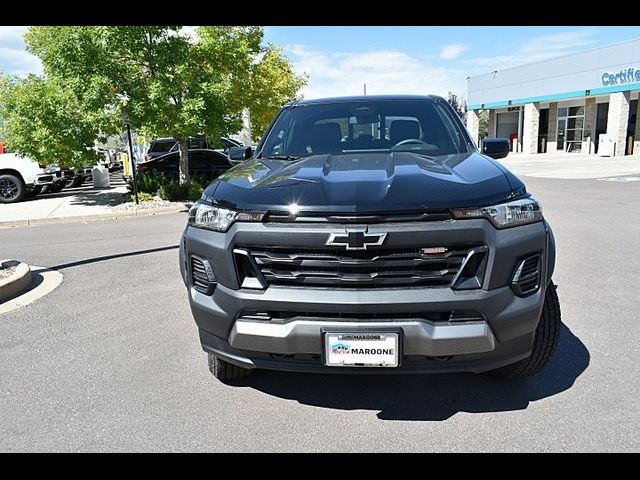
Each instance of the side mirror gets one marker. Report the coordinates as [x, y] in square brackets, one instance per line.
[495, 147]
[240, 153]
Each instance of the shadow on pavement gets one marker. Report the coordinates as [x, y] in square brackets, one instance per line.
[98, 198]
[428, 397]
[103, 258]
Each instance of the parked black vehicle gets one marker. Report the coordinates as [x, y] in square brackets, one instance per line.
[204, 164]
[369, 235]
[162, 146]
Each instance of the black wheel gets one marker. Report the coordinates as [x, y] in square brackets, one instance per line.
[56, 187]
[34, 191]
[12, 189]
[544, 344]
[76, 182]
[225, 371]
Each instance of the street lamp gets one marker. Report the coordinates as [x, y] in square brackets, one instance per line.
[127, 121]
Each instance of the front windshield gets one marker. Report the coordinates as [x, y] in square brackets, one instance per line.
[422, 126]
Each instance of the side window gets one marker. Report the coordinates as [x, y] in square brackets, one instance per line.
[217, 159]
[197, 162]
[168, 165]
[197, 142]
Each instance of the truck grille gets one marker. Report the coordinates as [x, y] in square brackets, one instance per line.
[366, 269]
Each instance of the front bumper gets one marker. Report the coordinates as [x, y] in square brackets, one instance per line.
[501, 333]
[44, 179]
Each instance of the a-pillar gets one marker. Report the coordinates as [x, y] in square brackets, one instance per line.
[617, 121]
[473, 125]
[530, 125]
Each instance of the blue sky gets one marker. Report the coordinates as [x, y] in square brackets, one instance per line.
[339, 60]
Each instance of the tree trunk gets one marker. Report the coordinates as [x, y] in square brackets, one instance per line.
[184, 161]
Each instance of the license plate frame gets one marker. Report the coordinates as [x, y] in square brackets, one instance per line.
[360, 334]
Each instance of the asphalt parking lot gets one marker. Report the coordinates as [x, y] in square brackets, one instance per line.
[110, 360]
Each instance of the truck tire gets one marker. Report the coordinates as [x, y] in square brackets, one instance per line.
[12, 189]
[225, 371]
[544, 343]
[56, 187]
[35, 191]
[76, 182]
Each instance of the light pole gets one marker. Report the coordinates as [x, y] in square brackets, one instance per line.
[127, 122]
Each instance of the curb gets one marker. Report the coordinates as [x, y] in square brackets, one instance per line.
[97, 216]
[19, 280]
[43, 282]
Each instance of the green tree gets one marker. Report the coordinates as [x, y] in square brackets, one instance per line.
[170, 83]
[273, 84]
[459, 105]
[43, 120]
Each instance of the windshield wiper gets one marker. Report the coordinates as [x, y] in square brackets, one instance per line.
[283, 157]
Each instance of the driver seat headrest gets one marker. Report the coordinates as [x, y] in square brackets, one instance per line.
[403, 130]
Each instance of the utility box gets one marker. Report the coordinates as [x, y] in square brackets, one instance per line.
[605, 145]
[100, 176]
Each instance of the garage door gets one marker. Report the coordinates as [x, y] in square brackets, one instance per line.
[506, 124]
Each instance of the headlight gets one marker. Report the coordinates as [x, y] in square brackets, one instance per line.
[219, 219]
[505, 215]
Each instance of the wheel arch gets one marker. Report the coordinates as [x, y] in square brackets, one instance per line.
[10, 171]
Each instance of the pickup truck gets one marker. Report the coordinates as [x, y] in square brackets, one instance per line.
[21, 177]
[369, 235]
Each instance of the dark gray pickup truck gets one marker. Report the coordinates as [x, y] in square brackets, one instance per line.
[369, 235]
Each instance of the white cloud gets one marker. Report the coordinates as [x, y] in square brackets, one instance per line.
[14, 59]
[453, 51]
[12, 34]
[384, 72]
[539, 48]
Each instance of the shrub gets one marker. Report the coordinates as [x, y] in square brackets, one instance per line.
[194, 191]
[173, 191]
[166, 188]
[148, 183]
[142, 197]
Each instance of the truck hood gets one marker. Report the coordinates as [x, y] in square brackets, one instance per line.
[363, 183]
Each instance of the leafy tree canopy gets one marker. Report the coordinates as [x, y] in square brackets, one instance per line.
[43, 120]
[169, 82]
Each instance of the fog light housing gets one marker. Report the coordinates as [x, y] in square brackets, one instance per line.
[526, 277]
[203, 278]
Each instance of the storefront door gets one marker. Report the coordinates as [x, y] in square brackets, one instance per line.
[570, 128]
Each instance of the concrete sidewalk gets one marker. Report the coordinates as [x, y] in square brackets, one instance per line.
[70, 202]
[572, 166]
[76, 204]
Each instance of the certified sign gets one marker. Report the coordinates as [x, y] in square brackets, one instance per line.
[629, 75]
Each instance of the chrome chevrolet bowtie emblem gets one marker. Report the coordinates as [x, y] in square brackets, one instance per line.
[356, 239]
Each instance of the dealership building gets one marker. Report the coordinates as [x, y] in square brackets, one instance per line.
[585, 102]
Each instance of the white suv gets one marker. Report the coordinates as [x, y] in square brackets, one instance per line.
[20, 176]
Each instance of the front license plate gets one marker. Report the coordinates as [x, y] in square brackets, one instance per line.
[361, 349]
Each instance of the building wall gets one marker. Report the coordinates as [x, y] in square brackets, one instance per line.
[590, 70]
[636, 142]
[590, 109]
